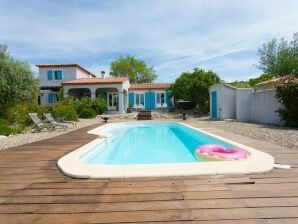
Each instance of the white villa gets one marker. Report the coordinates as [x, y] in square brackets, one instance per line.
[118, 92]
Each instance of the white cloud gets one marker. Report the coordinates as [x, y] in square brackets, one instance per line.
[175, 35]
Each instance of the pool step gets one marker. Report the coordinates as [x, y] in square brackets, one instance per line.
[144, 115]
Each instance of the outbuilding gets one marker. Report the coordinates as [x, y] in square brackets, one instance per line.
[244, 104]
[222, 101]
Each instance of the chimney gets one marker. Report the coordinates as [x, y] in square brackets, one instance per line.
[102, 74]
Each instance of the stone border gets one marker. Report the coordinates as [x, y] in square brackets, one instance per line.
[71, 165]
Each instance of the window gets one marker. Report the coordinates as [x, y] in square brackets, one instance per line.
[140, 102]
[160, 99]
[53, 97]
[55, 75]
[58, 74]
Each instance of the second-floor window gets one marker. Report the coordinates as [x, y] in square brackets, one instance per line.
[54, 74]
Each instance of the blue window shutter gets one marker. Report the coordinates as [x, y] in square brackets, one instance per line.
[152, 100]
[131, 98]
[50, 75]
[147, 101]
[168, 99]
[59, 75]
[50, 97]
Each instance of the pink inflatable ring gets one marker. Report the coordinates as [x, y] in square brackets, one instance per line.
[211, 152]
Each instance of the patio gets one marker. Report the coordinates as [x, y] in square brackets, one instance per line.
[33, 190]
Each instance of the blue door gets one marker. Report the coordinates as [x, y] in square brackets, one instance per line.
[214, 104]
[150, 100]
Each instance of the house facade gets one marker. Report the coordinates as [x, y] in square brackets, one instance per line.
[150, 96]
[118, 92]
[51, 77]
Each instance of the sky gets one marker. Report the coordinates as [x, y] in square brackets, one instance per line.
[174, 36]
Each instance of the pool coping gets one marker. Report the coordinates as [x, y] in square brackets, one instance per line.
[71, 164]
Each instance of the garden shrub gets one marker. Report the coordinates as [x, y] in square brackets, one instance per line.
[87, 113]
[99, 105]
[42, 109]
[66, 111]
[7, 130]
[18, 114]
[4, 128]
[287, 95]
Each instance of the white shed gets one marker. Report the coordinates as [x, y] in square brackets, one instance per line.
[244, 104]
[222, 101]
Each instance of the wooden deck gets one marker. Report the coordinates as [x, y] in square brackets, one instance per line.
[32, 190]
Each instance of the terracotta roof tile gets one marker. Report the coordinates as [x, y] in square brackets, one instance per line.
[147, 86]
[65, 66]
[84, 81]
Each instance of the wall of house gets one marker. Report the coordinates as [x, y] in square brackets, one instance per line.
[243, 104]
[150, 99]
[263, 107]
[67, 75]
[81, 74]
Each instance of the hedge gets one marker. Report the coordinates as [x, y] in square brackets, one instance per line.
[287, 95]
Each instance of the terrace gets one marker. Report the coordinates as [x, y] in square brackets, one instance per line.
[33, 190]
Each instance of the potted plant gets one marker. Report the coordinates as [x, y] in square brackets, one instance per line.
[129, 109]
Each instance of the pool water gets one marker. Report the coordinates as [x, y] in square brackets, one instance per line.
[149, 143]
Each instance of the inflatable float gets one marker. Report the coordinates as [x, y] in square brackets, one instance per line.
[211, 152]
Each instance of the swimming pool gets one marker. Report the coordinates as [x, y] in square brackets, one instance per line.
[151, 149]
[149, 143]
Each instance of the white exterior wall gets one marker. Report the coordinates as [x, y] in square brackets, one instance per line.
[68, 74]
[228, 103]
[81, 74]
[246, 105]
[44, 96]
[243, 104]
[263, 107]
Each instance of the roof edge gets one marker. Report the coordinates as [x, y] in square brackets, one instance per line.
[65, 66]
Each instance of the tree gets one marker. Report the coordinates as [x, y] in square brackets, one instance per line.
[281, 58]
[194, 86]
[17, 83]
[137, 70]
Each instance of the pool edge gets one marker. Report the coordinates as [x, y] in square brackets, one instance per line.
[71, 165]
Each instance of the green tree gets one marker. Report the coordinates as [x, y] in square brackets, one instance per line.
[17, 83]
[262, 78]
[137, 70]
[194, 86]
[279, 58]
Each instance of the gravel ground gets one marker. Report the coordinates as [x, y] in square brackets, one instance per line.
[283, 136]
[22, 139]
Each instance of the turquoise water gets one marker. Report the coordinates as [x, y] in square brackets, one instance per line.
[149, 143]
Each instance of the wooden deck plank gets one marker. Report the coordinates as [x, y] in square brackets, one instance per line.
[147, 205]
[157, 216]
[33, 190]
